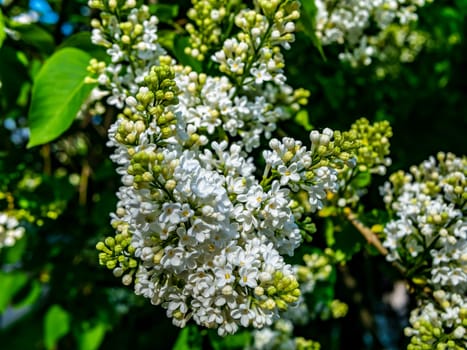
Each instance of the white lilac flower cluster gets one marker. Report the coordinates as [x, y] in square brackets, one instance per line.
[349, 23]
[196, 232]
[428, 236]
[10, 229]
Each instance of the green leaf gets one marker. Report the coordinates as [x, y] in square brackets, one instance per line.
[363, 179]
[329, 232]
[82, 41]
[11, 255]
[348, 240]
[189, 338]
[182, 342]
[91, 337]
[166, 38]
[36, 37]
[308, 20]
[240, 340]
[2, 29]
[10, 284]
[165, 12]
[33, 292]
[303, 120]
[57, 95]
[180, 43]
[13, 73]
[56, 325]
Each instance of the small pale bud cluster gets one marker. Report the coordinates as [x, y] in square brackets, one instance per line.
[206, 30]
[428, 236]
[10, 229]
[374, 145]
[116, 254]
[318, 267]
[370, 157]
[253, 56]
[346, 23]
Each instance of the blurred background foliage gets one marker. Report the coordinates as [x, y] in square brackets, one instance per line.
[54, 295]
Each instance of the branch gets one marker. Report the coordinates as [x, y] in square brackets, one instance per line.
[371, 237]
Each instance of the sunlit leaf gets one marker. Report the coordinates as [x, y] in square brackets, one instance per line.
[56, 325]
[10, 284]
[91, 337]
[303, 120]
[2, 29]
[34, 291]
[57, 95]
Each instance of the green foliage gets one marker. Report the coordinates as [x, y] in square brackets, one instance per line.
[302, 118]
[56, 325]
[36, 37]
[189, 338]
[165, 12]
[90, 337]
[11, 284]
[58, 93]
[2, 29]
[179, 45]
[308, 20]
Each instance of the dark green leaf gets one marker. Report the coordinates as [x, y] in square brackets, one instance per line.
[180, 43]
[37, 37]
[13, 74]
[308, 20]
[165, 12]
[348, 240]
[57, 95]
[56, 325]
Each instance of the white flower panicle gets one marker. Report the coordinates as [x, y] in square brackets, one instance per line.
[134, 38]
[429, 205]
[428, 236]
[196, 232]
[440, 323]
[10, 229]
[347, 23]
